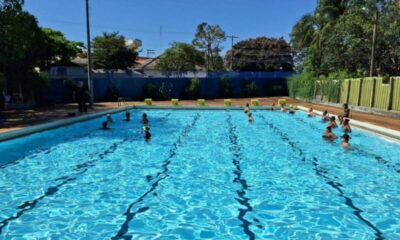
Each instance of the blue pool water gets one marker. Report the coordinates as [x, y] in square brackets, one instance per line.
[203, 175]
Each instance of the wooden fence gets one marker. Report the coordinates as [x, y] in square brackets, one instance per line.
[379, 93]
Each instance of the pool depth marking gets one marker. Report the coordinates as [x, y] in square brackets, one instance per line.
[324, 174]
[124, 229]
[241, 194]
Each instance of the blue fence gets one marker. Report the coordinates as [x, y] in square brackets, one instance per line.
[268, 84]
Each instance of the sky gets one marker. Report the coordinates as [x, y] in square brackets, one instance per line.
[157, 23]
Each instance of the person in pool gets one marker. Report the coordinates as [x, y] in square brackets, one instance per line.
[332, 122]
[109, 119]
[147, 134]
[250, 117]
[292, 110]
[346, 111]
[145, 120]
[273, 107]
[127, 116]
[345, 141]
[105, 126]
[346, 126]
[325, 116]
[311, 112]
[328, 134]
[246, 109]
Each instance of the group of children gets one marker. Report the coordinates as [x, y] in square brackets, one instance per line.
[344, 122]
[328, 134]
[144, 122]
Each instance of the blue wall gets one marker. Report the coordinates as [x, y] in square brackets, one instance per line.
[132, 88]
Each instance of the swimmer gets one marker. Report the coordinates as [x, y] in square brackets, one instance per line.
[246, 109]
[250, 117]
[147, 134]
[311, 112]
[292, 110]
[283, 109]
[145, 120]
[332, 122]
[105, 126]
[328, 134]
[109, 119]
[325, 116]
[345, 141]
[273, 107]
[127, 116]
[340, 117]
[346, 126]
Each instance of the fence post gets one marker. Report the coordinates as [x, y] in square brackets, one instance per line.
[391, 90]
[348, 92]
[360, 92]
[373, 93]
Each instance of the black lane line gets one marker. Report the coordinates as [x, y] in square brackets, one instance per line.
[124, 229]
[324, 173]
[28, 205]
[379, 159]
[241, 194]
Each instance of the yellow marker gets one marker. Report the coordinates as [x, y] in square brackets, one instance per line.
[201, 102]
[175, 102]
[228, 102]
[148, 101]
[282, 102]
[254, 102]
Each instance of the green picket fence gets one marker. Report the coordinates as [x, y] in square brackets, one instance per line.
[376, 93]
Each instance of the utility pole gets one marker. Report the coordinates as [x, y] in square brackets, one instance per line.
[89, 55]
[232, 37]
[372, 63]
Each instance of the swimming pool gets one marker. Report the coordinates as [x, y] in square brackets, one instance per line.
[203, 175]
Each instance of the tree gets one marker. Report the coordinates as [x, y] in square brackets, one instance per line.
[110, 52]
[208, 39]
[261, 54]
[180, 58]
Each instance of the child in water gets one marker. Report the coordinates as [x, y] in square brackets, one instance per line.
[311, 113]
[325, 116]
[250, 117]
[273, 107]
[345, 141]
[147, 134]
[328, 134]
[332, 122]
[292, 110]
[105, 126]
[346, 126]
[109, 119]
[145, 120]
[246, 109]
[127, 116]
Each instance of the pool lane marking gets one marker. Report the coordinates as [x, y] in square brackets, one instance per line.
[324, 173]
[241, 194]
[80, 168]
[379, 159]
[28, 205]
[124, 229]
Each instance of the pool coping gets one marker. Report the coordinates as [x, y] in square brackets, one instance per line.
[389, 134]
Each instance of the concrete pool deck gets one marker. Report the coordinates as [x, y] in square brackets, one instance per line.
[40, 119]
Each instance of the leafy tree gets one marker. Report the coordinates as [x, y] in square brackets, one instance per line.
[180, 58]
[261, 54]
[110, 52]
[208, 39]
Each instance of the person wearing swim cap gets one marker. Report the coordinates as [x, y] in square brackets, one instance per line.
[246, 109]
[105, 126]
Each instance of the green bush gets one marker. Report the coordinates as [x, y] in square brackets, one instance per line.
[193, 89]
[302, 85]
[250, 89]
[40, 85]
[112, 94]
[150, 90]
[225, 90]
